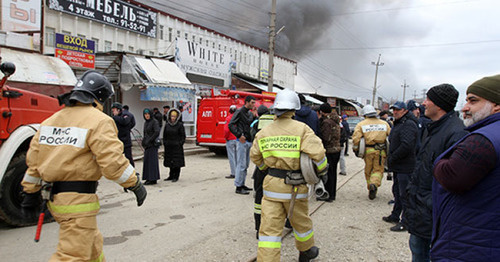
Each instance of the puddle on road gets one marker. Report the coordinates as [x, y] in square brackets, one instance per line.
[134, 232]
[114, 240]
[177, 217]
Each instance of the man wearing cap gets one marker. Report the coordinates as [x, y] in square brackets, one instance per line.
[444, 131]
[466, 188]
[401, 160]
[124, 122]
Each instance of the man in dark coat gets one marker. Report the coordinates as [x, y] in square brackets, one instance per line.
[240, 127]
[401, 160]
[306, 115]
[329, 129]
[124, 121]
[174, 137]
[466, 188]
[444, 131]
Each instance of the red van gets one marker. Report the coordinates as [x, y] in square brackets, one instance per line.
[212, 113]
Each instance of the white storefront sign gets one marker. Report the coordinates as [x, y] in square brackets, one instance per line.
[22, 15]
[197, 59]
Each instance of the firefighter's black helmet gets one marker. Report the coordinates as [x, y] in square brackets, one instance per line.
[94, 84]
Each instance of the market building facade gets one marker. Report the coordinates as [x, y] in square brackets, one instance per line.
[132, 36]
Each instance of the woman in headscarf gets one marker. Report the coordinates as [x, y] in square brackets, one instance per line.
[150, 169]
[174, 137]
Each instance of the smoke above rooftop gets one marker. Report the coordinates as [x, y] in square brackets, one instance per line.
[305, 22]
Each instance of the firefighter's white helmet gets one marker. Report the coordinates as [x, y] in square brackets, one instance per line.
[285, 100]
[369, 110]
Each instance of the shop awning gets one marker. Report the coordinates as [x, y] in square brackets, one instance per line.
[159, 80]
[36, 68]
[163, 93]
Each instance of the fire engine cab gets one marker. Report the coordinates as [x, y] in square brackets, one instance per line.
[212, 113]
[26, 99]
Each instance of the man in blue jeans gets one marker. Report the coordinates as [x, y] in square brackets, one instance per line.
[444, 131]
[240, 127]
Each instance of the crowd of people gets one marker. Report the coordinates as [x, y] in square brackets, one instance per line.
[446, 184]
[173, 139]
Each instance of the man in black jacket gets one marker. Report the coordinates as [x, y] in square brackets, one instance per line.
[444, 130]
[240, 127]
[124, 121]
[401, 160]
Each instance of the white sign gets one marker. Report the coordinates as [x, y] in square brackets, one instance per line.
[22, 15]
[201, 60]
[58, 136]
[374, 128]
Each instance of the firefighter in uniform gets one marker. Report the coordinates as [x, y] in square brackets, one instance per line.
[71, 151]
[277, 148]
[374, 131]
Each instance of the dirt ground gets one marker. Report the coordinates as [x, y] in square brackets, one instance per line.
[200, 218]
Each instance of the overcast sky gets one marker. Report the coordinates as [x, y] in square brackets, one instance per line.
[425, 42]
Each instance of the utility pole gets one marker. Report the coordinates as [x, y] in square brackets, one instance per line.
[414, 94]
[376, 73]
[272, 28]
[424, 93]
[404, 86]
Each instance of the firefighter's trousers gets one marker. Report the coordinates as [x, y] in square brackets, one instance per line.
[374, 166]
[79, 237]
[258, 180]
[275, 206]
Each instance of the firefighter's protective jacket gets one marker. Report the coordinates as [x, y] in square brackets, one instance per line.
[279, 144]
[374, 130]
[78, 143]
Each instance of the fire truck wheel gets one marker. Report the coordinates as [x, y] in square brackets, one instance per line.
[11, 195]
[220, 151]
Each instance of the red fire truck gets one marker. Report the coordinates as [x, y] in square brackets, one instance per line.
[212, 113]
[22, 111]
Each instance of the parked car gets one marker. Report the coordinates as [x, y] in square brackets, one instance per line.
[353, 121]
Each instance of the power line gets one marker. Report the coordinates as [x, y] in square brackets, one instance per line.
[214, 19]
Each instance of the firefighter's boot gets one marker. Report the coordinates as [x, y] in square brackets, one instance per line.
[309, 254]
[372, 194]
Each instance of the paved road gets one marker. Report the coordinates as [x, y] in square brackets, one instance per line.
[200, 218]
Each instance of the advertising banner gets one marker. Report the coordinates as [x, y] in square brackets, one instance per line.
[201, 60]
[75, 51]
[112, 12]
[21, 16]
